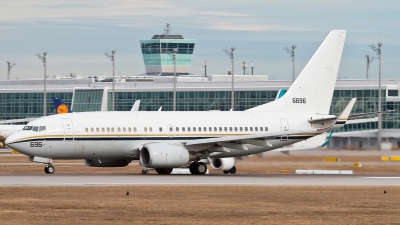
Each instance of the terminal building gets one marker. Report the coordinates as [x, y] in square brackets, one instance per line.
[20, 99]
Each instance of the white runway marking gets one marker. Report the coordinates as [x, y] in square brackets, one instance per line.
[383, 177]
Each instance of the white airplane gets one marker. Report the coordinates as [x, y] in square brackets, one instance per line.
[166, 140]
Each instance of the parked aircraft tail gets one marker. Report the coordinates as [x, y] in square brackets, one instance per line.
[60, 106]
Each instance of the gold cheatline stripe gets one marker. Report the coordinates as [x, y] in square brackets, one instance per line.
[149, 135]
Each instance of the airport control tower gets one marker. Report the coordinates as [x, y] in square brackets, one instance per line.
[158, 54]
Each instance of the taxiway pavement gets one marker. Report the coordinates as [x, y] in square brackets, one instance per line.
[195, 180]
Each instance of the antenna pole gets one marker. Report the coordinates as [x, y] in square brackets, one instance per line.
[112, 57]
[43, 59]
[232, 57]
[378, 51]
[9, 66]
[292, 55]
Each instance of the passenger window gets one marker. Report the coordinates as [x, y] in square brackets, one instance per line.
[108, 129]
[188, 129]
[256, 128]
[160, 129]
[134, 129]
[245, 129]
[225, 129]
[150, 129]
[183, 129]
[123, 129]
[209, 129]
[215, 129]
[112, 129]
[119, 129]
[194, 129]
[97, 129]
[230, 128]
[145, 129]
[129, 129]
[261, 129]
[199, 128]
[170, 129]
[42, 128]
[251, 128]
[241, 128]
[235, 128]
[177, 128]
[220, 128]
[205, 129]
[35, 129]
[266, 128]
[86, 129]
[102, 129]
[91, 129]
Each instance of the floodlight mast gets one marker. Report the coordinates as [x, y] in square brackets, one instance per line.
[369, 61]
[9, 65]
[232, 57]
[43, 59]
[292, 55]
[378, 50]
[244, 66]
[205, 68]
[252, 67]
[111, 57]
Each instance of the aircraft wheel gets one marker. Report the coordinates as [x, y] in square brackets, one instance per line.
[226, 171]
[145, 172]
[233, 170]
[49, 169]
[200, 168]
[191, 168]
[164, 171]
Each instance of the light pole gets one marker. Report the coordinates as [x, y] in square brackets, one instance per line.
[43, 59]
[174, 56]
[111, 57]
[291, 53]
[205, 68]
[378, 51]
[9, 65]
[369, 61]
[232, 57]
[244, 66]
[252, 67]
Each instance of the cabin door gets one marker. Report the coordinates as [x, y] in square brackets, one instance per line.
[284, 127]
[68, 129]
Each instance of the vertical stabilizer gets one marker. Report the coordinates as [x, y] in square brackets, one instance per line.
[313, 89]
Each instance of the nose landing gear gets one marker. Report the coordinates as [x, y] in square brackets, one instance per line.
[49, 169]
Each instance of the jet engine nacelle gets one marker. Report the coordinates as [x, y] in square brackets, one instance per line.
[222, 163]
[106, 162]
[161, 155]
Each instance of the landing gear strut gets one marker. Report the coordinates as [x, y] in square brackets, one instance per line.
[49, 169]
[198, 168]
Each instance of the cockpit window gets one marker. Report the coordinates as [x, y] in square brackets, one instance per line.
[27, 128]
[42, 128]
[35, 128]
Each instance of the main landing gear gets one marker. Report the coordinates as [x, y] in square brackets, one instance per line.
[198, 168]
[49, 169]
[231, 171]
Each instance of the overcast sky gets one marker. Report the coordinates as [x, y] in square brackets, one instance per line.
[76, 33]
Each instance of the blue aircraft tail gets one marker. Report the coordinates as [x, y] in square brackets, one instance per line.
[60, 106]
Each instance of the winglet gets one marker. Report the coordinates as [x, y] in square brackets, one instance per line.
[135, 106]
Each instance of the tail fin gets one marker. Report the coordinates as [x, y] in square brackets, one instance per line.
[313, 89]
[60, 106]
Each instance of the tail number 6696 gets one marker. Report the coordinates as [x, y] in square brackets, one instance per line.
[299, 100]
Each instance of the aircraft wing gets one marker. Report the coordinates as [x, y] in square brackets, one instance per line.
[253, 137]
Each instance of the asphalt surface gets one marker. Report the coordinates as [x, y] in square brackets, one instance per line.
[198, 180]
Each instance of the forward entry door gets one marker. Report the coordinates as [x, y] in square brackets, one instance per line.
[68, 129]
